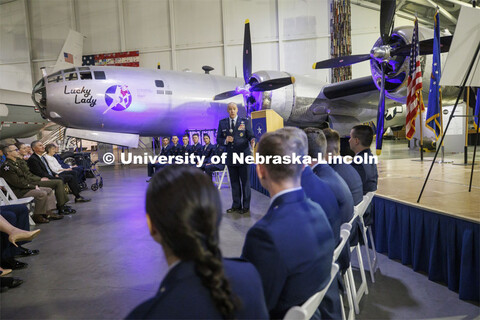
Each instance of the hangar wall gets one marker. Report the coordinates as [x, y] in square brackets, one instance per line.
[180, 34]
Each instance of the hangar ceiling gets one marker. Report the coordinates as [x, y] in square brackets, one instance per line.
[425, 9]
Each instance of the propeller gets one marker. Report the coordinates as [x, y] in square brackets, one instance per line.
[384, 53]
[251, 84]
[381, 113]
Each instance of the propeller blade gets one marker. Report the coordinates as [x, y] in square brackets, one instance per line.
[247, 53]
[341, 61]
[426, 47]
[387, 15]
[272, 84]
[381, 114]
[226, 95]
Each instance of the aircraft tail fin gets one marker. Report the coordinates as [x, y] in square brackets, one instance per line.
[71, 53]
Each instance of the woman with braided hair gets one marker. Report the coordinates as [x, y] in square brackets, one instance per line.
[183, 214]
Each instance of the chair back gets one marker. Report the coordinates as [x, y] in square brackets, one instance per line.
[307, 310]
[9, 195]
[344, 235]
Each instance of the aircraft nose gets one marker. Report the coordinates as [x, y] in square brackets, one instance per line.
[39, 96]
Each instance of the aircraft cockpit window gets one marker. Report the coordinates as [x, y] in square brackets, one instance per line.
[71, 76]
[56, 77]
[83, 69]
[86, 75]
[99, 75]
[39, 85]
[159, 83]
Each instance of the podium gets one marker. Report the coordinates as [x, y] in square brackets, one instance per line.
[262, 121]
[265, 121]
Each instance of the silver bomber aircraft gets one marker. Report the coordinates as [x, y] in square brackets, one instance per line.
[132, 102]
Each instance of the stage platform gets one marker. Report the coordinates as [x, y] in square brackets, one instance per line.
[446, 192]
[440, 235]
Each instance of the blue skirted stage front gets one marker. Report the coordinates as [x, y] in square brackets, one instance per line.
[444, 247]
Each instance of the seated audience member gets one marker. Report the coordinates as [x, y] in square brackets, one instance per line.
[9, 236]
[79, 170]
[318, 144]
[207, 150]
[209, 166]
[24, 149]
[176, 147]
[14, 227]
[165, 151]
[346, 171]
[25, 184]
[196, 148]
[66, 174]
[292, 245]
[38, 166]
[55, 184]
[183, 214]
[186, 148]
[361, 138]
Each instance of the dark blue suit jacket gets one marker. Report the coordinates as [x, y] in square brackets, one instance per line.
[177, 150]
[185, 149]
[196, 149]
[353, 180]
[320, 192]
[339, 188]
[292, 248]
[183, 296]
[208, 151]
[242, 135]
[166, 151]
[368, 172]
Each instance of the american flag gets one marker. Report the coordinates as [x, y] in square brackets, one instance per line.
[68, 57]
[125, 59]
[414, 88]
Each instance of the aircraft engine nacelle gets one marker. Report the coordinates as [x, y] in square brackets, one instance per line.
[396, 78]
[281, 100]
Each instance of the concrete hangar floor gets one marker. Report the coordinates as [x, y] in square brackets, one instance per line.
[101, 262]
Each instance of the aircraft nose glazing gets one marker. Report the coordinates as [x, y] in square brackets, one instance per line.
[39, 96]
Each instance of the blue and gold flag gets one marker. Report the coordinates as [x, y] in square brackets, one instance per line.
[434, 119]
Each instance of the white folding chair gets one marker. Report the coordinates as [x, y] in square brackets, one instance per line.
[306, 310]
[372, 263]
[357, 295]
[344, 237]
[7, 197]
[218, 177]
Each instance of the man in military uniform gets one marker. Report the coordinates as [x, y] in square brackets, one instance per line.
[25, 184]
[186, 148]
[176, 147]
[236, 135]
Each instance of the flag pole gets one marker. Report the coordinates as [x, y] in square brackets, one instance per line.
[441, 124]
[420, 98]
[451, 117]
[476, 143]
[465, 148]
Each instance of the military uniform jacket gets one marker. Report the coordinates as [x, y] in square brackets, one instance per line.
[292, 248]
[208, 151]
[242, 135]
[166, 151]
[176, 150]
[18, 177]
[183, 296]
[196, 149]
